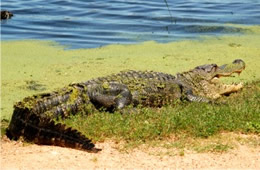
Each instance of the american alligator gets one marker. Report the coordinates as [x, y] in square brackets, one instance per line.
[35, 117]
[6, 15]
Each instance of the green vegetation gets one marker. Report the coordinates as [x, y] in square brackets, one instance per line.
[236, 113]
[24, 74]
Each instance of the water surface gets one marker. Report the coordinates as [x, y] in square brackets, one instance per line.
[89, 24]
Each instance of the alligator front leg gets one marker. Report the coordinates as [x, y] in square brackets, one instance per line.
[110, 96]
[194, 98]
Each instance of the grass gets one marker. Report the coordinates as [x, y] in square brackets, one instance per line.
[239, 112]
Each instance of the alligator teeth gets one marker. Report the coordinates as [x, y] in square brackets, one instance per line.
[231, 88]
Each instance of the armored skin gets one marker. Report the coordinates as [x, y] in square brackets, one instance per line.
[34, 117]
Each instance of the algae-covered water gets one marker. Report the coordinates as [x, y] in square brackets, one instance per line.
[33, 66]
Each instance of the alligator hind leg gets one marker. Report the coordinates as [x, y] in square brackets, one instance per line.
[109, 96]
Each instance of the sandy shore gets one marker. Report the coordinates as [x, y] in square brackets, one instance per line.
[16, 155]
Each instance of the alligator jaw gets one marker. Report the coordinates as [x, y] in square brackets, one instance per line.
[226, 89]
[226, 70]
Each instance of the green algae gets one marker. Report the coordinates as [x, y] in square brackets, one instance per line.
[51, 66]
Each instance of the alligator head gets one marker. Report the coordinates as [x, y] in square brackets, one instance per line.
[204, 80]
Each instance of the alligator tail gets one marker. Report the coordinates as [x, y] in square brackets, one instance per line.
[33, 119]
[44, 131]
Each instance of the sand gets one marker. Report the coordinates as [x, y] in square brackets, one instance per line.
[16, 155]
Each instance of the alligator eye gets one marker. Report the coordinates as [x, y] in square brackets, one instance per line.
[210, 68]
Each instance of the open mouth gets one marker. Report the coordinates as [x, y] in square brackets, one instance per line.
[226, 89]
[228, 70]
